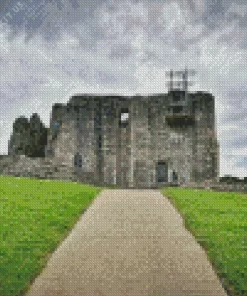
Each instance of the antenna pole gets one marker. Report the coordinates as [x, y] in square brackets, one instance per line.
[185, 84]
[171, 80]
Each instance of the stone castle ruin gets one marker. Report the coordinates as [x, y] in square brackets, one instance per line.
[29, 137]
[128, 141]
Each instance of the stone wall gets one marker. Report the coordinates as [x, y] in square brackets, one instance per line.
[128, 155]
[206, 153]
[43, 168]
[88, 142]
[170, 144]
[24, 166]
[28, 137]
[75, 136]
[108, 139]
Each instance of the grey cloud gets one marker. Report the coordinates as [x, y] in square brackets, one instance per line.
[106, 54]
[216, 7]
[120, 51]
[52, 18]
[233, 117]
[46, 17]
[241, 162]
[105, 78]
[239, 142]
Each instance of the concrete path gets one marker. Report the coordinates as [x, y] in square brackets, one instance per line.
[128, 243]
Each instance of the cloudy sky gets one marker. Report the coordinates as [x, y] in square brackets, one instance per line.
[51, 49]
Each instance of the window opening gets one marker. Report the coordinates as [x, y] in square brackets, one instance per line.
[124, 117]
[174, 176]
[177, 110]
[162, 171]
[78, 160]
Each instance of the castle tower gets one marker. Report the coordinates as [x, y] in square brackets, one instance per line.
[137, 141]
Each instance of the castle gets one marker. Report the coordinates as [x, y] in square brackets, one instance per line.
[128, 141]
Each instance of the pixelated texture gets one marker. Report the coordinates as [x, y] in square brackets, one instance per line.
[134, 141]
[29, 137]
[129, 242]
[139, 141]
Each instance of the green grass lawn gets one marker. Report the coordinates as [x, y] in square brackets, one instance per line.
[218, 220]
[35, 215]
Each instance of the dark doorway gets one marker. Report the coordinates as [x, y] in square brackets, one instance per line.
[174, 177]
[78, 160]
[162, 172]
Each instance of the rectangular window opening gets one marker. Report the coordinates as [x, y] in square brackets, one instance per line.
[100, 141]
[162, 172]
[78, 160]
[124, 117]
[177, 110]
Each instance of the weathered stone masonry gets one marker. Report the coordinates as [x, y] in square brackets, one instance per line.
[138, 141]
[152, 147]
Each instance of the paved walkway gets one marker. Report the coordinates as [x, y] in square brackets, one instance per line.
[128, 243]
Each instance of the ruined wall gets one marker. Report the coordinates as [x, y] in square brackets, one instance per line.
[36, 167]
[112, 141]
[133, 151]
[29, 137]
[141, 151]
[189, 151]
[108, 133]
[74, 136]
[87, 142]
[20, 137]
[170, 144]
[61, 137]
[83, 115]
[205, 145]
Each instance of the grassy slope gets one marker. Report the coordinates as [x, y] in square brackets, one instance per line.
[218, 221]
[35, 215]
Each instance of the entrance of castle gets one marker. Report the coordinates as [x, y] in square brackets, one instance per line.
[162, 172]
